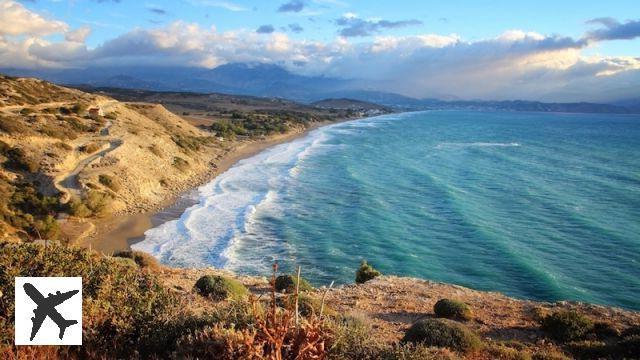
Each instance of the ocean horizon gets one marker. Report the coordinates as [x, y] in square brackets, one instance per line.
[542, 206]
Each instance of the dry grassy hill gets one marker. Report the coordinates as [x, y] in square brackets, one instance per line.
[89, 155]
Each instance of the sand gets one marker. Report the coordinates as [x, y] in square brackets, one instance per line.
[119, 232]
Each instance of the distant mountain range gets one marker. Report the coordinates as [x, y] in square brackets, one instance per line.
[266, 80]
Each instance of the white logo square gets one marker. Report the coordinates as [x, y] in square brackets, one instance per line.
[48, 311]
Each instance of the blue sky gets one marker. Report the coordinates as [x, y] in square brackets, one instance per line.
[472, 20]
[570, 50]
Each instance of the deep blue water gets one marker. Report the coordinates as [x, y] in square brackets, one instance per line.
[542, 206]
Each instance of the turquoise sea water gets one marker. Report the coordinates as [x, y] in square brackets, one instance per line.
[541, 206]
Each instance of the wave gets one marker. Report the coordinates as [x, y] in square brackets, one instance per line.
[207, 233]
[475, 144]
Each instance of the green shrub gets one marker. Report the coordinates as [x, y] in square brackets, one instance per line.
[18, 159]
[109, 181]
[98, 202]
[141, 259]
[506, 352]
[220, 288]
[366, 272]
[566, 325]
[307, 305]
[125, 311]
[77, 208]
[452, 309]
[287, 284]
[443, 333]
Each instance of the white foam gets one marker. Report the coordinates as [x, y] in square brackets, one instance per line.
[206, 233]
[475, 144]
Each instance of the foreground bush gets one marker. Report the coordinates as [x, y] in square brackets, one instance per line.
[352, 340]
[452, 309]
[287, 284]
[443, 333]
[141, 259]
[126, 313]
[366, 272]
[566, 325]
[220, 288]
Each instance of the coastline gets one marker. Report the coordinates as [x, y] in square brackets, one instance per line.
[119, 232]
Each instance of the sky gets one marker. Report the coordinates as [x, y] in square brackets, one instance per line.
[486, 49]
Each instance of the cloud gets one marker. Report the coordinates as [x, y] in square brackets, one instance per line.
[79, 35]
[265, 29]
[227, 5]
[157, 10]
[614, 30]
[296, 28]
[18, 20]
[514, 64]
[353, 26]
[292, 6]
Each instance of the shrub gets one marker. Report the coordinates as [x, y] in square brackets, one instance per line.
[629, 346]
[18, 159]
[121, 304]
[366, 272]
[443, 333]
[141, 259]
[98, 202]
[91, 147]
[220, 288]
[180, 163]
[109, 181]
[79, 108]
[11, 125]
[307, 305]
[77, 208]
[566, 325]
[287, 284]
[452, 309]
[506, 352]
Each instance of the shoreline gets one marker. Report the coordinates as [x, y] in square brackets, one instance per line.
[119, 232]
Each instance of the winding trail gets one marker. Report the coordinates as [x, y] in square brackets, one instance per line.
[70, 185]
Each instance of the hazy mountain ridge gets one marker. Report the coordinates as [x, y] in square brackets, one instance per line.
[266, 80]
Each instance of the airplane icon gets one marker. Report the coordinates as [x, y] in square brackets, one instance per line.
[47, 307]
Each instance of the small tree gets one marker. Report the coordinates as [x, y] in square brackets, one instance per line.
[366, 272]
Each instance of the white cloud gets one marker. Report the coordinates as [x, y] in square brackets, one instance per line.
[18, 20]
[514, 64]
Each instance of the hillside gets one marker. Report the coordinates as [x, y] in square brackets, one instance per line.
[351, 104]
[207, 313]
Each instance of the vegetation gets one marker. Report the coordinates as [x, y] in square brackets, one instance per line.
[180, 163]
[91, 147]
[566, 325]
[220, 288]
[110, 182]
[94, 203]
[443, 333]
[17, 159]
[287, 284]
[25, 209]
[452, 309]
[190, 143]
[140, 258]
[366, 272]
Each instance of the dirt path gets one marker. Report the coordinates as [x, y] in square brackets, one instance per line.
[69, 185]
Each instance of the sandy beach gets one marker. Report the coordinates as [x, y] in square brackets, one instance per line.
[118, 232]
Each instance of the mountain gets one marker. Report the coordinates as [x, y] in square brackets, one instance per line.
[268, 80]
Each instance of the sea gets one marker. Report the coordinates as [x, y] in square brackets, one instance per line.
[542, 206]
